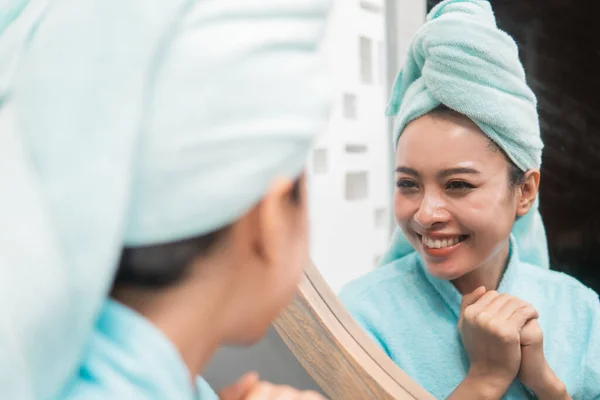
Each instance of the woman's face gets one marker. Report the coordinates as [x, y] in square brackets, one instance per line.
[452, 198]
[292, 247]
[274, 252]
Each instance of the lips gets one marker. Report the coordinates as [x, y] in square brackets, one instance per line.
[440, 243]
[441, 247]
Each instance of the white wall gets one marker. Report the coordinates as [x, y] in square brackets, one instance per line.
[350, 187]
[410, 16]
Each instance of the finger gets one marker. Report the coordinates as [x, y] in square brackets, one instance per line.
[310, 395]
[470, 298]
[509, 308]
[284, 393]
[262, 391]
[241, 388]
[522, 315]
[497, 303]
[531, 333]
[482, 303]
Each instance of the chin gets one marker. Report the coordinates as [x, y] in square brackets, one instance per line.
[447, 271]
[252, 337]
[250, 330]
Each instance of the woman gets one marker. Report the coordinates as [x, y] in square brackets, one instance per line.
[154, 153]
[464, 314]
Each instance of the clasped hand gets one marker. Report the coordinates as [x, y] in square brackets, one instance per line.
[250, 387]
[504, 341]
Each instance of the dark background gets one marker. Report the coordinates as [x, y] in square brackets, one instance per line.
[559, 45]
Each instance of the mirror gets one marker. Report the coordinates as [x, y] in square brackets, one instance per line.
[351, 182]
[350, 175]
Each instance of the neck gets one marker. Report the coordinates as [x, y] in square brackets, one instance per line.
[192, 315]
[487, 274]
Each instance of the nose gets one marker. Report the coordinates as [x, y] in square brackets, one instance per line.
[431, 213]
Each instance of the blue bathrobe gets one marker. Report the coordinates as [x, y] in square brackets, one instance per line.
[128, 358]
[413, 317]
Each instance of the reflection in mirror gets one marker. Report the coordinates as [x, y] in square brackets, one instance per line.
[467, 292]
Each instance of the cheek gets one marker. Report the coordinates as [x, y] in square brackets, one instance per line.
[294, 258]
[404, 208]
[489, 216]
[474, 213]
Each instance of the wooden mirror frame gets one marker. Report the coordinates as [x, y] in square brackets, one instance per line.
[335, 351]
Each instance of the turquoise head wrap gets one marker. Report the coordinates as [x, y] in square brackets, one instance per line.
[135, 123]
[459, 58]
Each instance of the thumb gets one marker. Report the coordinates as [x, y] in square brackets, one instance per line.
[471, 298]
[241, 388]
[531, 334]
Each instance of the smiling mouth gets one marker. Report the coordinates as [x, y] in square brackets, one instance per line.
[432, 243]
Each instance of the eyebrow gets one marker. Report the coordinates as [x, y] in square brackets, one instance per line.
[407, 171]
[442, 174]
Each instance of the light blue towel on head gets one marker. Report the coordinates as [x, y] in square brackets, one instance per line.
[135, 122]
[460, 58]
[9, 11]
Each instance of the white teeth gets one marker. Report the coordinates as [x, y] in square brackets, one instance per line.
[438, 244]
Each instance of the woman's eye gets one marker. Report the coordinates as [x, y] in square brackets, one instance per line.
[406, 184]
[459, 185]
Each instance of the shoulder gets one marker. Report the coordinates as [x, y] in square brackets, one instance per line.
[557, 281]
[560, 290]
[377, 286]
[86, 387]
[204, 390]
[99, 379]
[373, 299]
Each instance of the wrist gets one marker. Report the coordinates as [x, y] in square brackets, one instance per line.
[550, 386]
[487, 387]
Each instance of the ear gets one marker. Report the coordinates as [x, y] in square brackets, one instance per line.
[528, 191]
[260, 236]
[276, 218]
